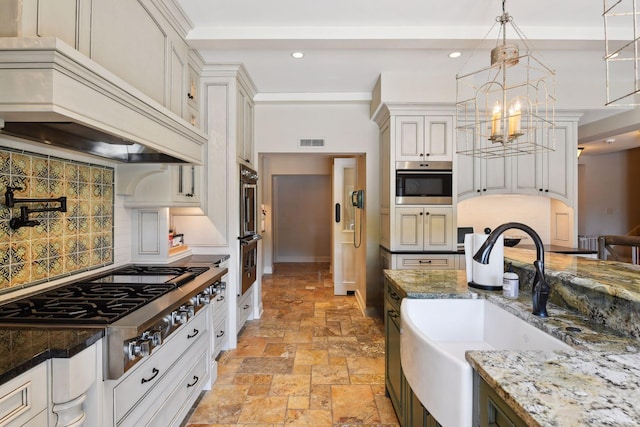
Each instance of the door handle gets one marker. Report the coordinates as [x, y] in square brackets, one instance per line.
[337, 212]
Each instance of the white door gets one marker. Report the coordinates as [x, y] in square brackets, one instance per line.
[344, 224]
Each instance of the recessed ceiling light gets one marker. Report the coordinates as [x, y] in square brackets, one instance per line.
[455, 54]
[297, 55]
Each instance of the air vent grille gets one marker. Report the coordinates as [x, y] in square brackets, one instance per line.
[311, 143]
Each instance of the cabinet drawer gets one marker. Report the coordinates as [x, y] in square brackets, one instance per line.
[220, 336]
[150, 370]
[393, 297]
[436, 262]
[180, 401]
[24, 397]
[171, 397]
[219, 305]
[244, 309]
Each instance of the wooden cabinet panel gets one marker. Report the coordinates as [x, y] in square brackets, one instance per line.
[423, 137]
[423, 228]
[115, 24]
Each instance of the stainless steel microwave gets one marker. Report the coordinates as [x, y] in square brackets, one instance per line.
[424, 183]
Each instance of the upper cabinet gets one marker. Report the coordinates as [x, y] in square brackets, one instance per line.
[244, 125]
[551, 173]
[424, 137]
[181, 187]
[156, 63]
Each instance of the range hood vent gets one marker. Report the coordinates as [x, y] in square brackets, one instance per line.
[53, 94]
[73, 136]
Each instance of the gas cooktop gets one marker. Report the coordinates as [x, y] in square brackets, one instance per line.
[101, 300]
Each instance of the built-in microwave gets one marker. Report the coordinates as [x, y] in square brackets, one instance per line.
[424, 183]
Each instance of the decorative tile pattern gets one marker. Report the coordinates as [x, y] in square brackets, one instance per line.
[312, 359]
[63, 242]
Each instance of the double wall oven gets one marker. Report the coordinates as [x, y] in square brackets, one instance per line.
[248, 227]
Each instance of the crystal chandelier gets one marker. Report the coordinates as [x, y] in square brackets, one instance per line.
[507, 108]
[621, 52]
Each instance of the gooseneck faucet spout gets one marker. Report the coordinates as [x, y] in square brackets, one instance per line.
[540, 289]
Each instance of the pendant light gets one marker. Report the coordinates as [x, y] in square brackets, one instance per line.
[508, 107]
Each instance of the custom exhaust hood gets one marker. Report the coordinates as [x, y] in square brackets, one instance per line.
[53, 94]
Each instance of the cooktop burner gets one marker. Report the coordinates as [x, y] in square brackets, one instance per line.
[99, 301]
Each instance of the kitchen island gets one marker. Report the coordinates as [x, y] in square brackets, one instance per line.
[593, 308]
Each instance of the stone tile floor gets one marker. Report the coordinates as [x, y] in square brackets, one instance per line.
[312, 359]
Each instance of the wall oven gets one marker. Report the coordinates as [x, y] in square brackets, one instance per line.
[424, 183]
[248, 227]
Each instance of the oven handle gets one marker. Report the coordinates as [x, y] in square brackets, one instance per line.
[155, 373]
[424, 172]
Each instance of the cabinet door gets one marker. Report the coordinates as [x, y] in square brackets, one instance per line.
[244, 126]
[468, 176]
[186, 183]
[438, 143]
[393, 370]
[409, 138]
[495, 175]
[560, 164]
[409, 229]
[438, 228]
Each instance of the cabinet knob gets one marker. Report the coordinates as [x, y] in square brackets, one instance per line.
[478, 190]
[428, 154]
[426, 213]
[421, 155]
[546, 191]
[540, 189]
[484, 189]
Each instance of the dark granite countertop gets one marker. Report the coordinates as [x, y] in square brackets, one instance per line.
[22, 348]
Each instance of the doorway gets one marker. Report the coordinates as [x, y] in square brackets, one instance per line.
[301, 221]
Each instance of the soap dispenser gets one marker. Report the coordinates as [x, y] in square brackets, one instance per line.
[510, 283]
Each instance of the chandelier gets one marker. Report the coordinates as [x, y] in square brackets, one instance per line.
[508, 107]
[621, 52]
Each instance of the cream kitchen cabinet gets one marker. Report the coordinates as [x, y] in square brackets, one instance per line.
[160, 185]
[244, 308]
[480, 176]
[423, 137]
[156, 64]
[423, 229]
[24, 399]
[244, 141]
[550, 173]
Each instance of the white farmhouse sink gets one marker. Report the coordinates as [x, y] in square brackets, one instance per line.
[435, 335]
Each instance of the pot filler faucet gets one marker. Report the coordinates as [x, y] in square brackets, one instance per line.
[540, 289]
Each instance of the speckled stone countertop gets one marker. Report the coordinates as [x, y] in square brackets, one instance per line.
[24, 348]
[597, 314]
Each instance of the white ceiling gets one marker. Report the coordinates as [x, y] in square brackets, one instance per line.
[348, 43]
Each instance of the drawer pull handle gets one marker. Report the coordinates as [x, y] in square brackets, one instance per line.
[422, 261]
[394, 296]
[221, 334]
[393, 314]
[220, 298]
[195, 381]
[246, 306]
[155, 373]
[193, 335]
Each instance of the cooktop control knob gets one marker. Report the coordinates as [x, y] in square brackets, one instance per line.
[156, 338]
[139, 348]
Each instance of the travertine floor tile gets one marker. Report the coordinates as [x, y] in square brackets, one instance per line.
[354, 404]
[312, 359]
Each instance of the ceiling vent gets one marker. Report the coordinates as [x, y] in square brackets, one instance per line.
[311, 143]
